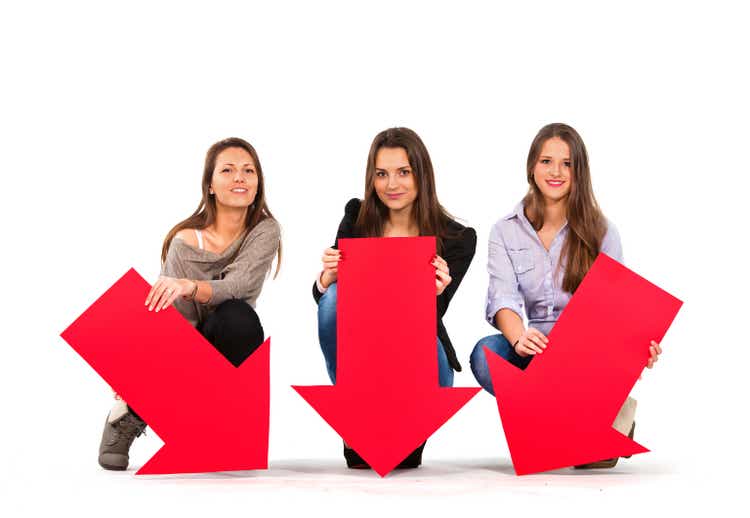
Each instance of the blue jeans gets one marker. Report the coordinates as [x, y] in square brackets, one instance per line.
[327, 336]
[499, 345]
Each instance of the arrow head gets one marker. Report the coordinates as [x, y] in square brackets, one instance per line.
[381, 428]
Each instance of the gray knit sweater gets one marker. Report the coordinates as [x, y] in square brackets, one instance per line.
[236, 273]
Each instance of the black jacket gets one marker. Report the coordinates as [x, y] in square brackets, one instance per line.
[458, 251]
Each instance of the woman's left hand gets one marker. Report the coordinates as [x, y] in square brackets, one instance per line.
[442, 274]
[655, 351]
[166, 290]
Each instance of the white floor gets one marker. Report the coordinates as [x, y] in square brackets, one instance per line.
[325, 487]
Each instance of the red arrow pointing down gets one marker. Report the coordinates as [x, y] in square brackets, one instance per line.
[211, 415]
[386, 400]
[559, 411]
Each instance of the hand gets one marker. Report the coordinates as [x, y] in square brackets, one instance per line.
[655, 351]
[442, 274]
[166, 290]
[331, 258]
[531, 342]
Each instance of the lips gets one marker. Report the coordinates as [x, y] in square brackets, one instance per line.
[239, 190]
[555, 183]
[395, 196]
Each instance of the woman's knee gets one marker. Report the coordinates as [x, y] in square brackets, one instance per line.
[234, 328]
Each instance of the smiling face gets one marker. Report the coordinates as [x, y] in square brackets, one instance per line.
[394, 180]
[235, 178]
[553, 172]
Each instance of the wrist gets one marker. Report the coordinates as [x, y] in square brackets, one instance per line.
[193, 290]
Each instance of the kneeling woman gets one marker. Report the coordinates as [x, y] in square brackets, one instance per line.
[539, 254]
[400, 201]
[214, 264]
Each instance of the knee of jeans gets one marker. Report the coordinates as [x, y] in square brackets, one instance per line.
[236, 312]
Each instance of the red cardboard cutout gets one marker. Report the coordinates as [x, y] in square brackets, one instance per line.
[559, 411]
[386, 401]
[211, 415]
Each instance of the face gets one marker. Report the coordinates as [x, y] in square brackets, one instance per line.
[235, 179]
[394, 179]
[552, 171]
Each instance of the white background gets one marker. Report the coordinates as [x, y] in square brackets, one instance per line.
[106, 113]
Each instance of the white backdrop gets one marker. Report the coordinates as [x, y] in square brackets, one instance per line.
[106, 113]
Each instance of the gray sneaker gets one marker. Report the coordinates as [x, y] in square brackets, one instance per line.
[120, 430]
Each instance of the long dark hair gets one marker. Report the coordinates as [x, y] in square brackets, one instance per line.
[431, 218]
[205, 214]
[586, 223]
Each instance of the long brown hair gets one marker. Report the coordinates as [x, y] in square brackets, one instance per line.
[431, 218]
[586, 223]
[205, 214]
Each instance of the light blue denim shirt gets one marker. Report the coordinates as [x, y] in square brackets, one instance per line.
[525, 276]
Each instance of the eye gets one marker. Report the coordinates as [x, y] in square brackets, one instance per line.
[225, 170]
[545, 161]
[250, 171]
[567, 164]
[380, 174]
[404, 172]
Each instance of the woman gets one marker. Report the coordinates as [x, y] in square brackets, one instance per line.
[400, 201]
[214, 264]
[539, 254]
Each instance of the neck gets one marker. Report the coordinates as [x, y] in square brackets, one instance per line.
[230, 221]
[555, 212]
[401, 223]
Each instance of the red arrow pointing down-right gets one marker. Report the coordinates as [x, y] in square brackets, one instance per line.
[559, 411]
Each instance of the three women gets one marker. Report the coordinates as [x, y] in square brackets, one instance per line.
[215, 262]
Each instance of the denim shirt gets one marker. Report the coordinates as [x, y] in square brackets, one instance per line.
[525, 276]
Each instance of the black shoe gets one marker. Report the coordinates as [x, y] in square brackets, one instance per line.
[353, 460]
[413, 460]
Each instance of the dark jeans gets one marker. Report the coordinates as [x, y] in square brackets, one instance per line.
[499, 345]
[234, 329]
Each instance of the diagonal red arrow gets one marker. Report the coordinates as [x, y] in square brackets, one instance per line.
[386, 400]
[211, 415]
[559, 411]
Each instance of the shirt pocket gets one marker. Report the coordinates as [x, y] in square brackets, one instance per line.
[521, 259]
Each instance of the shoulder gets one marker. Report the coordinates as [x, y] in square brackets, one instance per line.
[187, 236]
[352, 207]
[459, 236]
[268, 227]
[505, 225]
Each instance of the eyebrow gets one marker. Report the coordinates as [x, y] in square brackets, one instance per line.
[246, 164]
[547, 156]
[400, 168]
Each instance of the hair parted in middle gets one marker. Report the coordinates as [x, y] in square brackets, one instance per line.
[586, 223]
[431, 218]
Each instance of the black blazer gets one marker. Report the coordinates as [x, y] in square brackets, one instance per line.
[458, 251]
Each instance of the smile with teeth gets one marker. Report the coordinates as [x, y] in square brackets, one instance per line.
[239, 190]
[555, 183]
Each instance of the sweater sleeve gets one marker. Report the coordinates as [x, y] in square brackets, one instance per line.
[345, 230]
[243, 278]
[173, 267]
[458, 256]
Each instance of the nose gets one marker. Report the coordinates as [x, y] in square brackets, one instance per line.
[238, 178]
[392, 181]
[554, 169]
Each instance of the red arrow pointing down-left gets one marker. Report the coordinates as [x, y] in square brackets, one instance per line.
[211, 415]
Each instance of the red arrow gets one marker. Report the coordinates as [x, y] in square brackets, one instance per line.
[386, 400]
[559, 411]
[211, 415]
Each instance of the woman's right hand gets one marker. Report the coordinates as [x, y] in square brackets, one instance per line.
[331, 258]
[531, 342]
